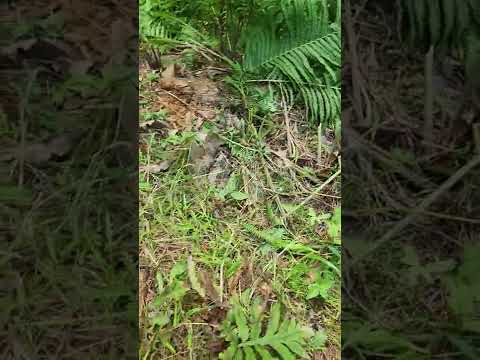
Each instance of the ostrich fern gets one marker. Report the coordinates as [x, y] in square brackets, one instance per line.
[300, 43]
[163, 25]
[447, 24]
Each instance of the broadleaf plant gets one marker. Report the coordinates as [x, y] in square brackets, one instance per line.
[251, 337]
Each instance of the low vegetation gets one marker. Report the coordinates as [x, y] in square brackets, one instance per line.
[239, 180]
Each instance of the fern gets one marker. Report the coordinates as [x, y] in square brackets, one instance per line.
[155, 21]
[164, 26]
[303, 49]
[285, 339]
[441, 22]
[269, 236]
[275, 237]
[447, 24]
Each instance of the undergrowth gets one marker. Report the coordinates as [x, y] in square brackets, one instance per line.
[238, 249]
[239, 213]
[204, 245]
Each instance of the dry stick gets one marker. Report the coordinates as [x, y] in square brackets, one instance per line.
[452, 180]
[355, 66]
[175, 97]
[290, 142]
[272, 186]
[24, 126]
[428, 107]
[319, 145]
[184, 103]
[476, 137]
[316, 192]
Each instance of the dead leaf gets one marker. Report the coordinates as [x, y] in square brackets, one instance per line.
[80, 67]
[207, 114]
[155, 124]
[209, 286]
[266, 290]
[202, 156]
[188, 121]
[20, 45]
[60, 145]
[192, 276]
[169, 72]
[330, 353]
[234, 281]
[219, 172]
[216, 346]
[39, 153]
[142, 292]
[156, 168]
[206, 90]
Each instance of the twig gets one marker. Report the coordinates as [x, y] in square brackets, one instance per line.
[198, 113]
[428, 109]
[290, 142]
[355, 66]
[320, 144]
[175, 97]
[272, 186]
[24, 126]
[315, 192]
[476, 137]
[452, 180]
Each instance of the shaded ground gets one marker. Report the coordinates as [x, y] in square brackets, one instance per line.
[68, 268]
[408, 303]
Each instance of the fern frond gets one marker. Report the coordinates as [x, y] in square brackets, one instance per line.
[269, 236]
[283, 338]
[441, 22]
[304, 48]
[447, 24]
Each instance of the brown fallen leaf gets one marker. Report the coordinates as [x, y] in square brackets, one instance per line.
[80, 67]
[202, 156]
[216, 346]
[39, 153]
[155, 124]
[19, 45]
[155, 168]
[209, 286]
[169, 72]
[234, 281]
[61, 145]
[207, 114]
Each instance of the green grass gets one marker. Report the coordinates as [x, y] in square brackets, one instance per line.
[204, 245]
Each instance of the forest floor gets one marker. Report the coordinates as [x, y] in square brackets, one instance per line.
[236, 201]
[404, 298]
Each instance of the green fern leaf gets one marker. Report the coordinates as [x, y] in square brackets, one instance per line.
[241, 320]
[284, 339]
[304, 49]
[446, 24]
[264, 354]
[249, 353]
[274, 320]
